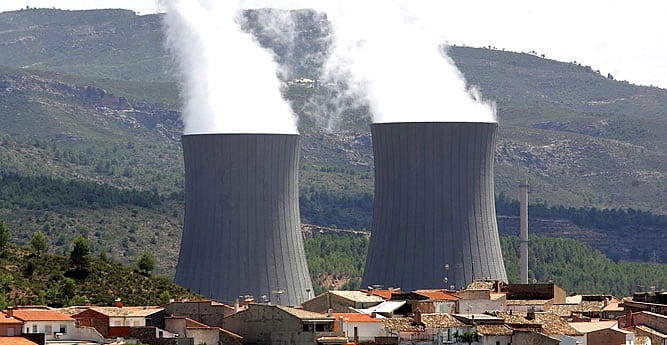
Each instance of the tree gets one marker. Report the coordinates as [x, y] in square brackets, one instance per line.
[146, 263]
[39, 243]
[5, 237]
[79, 257]
[467, 337]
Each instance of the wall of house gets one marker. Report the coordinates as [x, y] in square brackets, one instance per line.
[606, 337]
[269, 325]
[86, 333]
[495, 339]
[572, 340]
[532, 338]
[175, 325]
[367, 331]
[10, 330]
[127, 321]
[49, 328]
[655, 321]
[204, 335]
[94, 319]
[478, 306]
[323, 302]
[203, 312]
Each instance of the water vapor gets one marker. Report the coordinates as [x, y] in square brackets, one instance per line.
[229, 81]
[389, 54]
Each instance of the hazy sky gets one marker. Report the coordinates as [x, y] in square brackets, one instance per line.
[625, 38]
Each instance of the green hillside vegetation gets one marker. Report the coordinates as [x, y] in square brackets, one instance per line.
[28, 279]
[572, 265]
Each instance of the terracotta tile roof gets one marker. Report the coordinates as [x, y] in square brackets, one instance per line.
[494, 330]
[563, 310]
[401, 324]
[386, 294]
[356, 317]
[7, 320]
[517, 319]
[441, 321]
[437, 295]
[553, 324]
[16, 341]
[28, 315]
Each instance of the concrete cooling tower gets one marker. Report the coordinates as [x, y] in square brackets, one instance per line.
[242, 231]
[434, 216]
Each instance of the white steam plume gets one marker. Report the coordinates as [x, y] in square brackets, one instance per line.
[229, 81]
[393, 58]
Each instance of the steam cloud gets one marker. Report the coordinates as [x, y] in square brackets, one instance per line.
[389, 54]
[229, 81]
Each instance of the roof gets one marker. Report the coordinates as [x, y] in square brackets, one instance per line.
[437, 295]
[553, 324]
[28, 315]
[127, 311]
[516, 318]
[496, 295]
[652, 332]
[356, 317]
[480, 285]
[586, 327]
[613, 306]
[386, 294]
[16, 341]
[357, 296]
[7, 320]
[494, 330]
[190, 323]
[527, 302]
[384, 307]
[441, 321]
[302, 314]
[401, 324]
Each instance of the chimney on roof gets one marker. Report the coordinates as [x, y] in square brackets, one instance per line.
[119, 303]
[10, 311]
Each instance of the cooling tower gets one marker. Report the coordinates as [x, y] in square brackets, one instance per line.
[242, 230]
[434, 206]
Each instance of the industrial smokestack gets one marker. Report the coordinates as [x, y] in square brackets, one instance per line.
[523, 247]
[434, 205]
[242, 230]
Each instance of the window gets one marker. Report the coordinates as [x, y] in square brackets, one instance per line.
[63, 329]
[48, 329]
[34, 328]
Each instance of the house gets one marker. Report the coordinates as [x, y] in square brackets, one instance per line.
[273, 324]
[184, 327]
[478, 301]
[358, 327]
[340, 301]
[384, 309]
[433, 301]
[655, 302]
[208, 312]
[603, 333]
[53, 324]
[425, 329]
[537, 297]
[113, 322]
[646, 325]
[491, 329]
[9, 325]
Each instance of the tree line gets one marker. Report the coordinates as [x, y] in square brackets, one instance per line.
[47, 193]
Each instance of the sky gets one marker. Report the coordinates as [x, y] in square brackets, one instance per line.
[625, 38]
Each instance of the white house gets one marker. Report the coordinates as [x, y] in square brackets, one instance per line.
[54, 324]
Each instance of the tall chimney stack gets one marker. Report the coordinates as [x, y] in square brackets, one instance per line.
[523, 197]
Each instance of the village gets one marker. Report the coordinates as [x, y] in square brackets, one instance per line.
[485, 312]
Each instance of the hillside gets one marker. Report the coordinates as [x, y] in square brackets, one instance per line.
[90, 96]
[29, 279]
